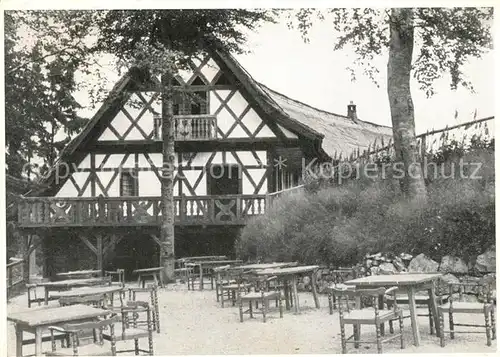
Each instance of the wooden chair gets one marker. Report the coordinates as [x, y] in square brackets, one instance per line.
[340, 275]
[32, 295]
[152, 290]
[222, 277]
[128, 328]
[74, 331]
[119, 273]
[260, 293]
[486, 308]
[421, 299]
[193, 275]
[367, 316]
[183, 273]
[106, 280]
[233, 283]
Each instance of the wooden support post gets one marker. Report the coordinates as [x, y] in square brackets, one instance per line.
[101, 208]
[295, 295]
[423, 148]
[30, 258]
[97, 250]
[313, 286]
[99, 253]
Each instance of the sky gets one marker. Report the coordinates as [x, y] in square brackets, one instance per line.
[315, 74]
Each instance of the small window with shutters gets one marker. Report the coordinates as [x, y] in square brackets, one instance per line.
[129, 183]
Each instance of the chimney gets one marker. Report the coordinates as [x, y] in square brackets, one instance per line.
[351, 112]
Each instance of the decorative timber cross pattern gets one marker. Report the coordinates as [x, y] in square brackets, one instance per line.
[140, 211]
[183, 129]
[60, 211]
[225, 210]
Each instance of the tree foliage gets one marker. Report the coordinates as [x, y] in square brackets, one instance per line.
[424, 43]
[43, 51]
[445, 39]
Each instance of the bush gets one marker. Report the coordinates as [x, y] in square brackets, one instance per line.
[339, 225]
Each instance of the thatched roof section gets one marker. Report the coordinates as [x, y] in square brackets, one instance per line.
[341, 133]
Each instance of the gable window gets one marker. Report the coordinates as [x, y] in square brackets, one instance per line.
[190, 103]
[199, 103]
[129, 183]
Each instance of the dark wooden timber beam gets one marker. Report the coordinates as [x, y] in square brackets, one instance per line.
[88, 243]
[145, 146]
[186, 88]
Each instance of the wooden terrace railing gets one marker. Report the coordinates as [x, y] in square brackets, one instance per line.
[133, 211]
[15, 275]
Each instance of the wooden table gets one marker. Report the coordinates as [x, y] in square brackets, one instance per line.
[258, 266]
[68, 284]
[182, 261]
[38, 320]
[202, 257]
[206, 264]
[409, 284]
[149, 272]
[80, 274]
[291, 274]
[106, 290]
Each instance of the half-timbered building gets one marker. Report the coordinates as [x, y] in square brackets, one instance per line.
[236, 141]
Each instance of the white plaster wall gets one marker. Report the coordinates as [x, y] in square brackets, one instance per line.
[150, 185]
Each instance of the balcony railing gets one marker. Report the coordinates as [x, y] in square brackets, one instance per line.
[133, 211]
[15, 275]
[190, 127]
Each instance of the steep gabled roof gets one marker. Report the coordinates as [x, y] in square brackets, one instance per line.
[337, 133]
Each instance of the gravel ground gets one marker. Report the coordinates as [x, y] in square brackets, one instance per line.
[193, 323]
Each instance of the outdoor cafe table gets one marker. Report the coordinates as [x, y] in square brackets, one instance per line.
[202, 257]
[147, 272]
[68, 284]
[206, 264]
[38, 320]
[257, 266]
[292, 274]
[80, 274]
[408, 284]
[97, 290]
[185, 260]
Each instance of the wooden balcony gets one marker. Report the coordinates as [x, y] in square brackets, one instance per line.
[191, 127]
[137, 211]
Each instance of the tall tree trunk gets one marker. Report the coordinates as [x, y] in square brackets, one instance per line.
[401, 104]
[167, 255]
